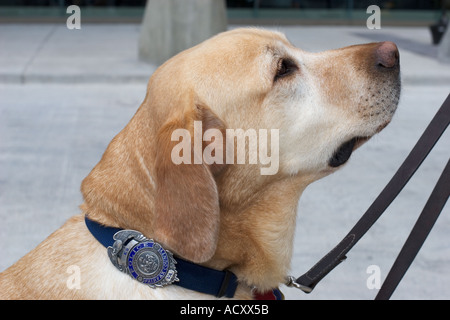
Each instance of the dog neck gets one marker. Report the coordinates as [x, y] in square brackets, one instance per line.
[256, 237]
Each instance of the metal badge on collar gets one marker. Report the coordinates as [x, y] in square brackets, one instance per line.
[143, 259]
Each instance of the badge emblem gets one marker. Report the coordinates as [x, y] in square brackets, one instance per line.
[143, 259]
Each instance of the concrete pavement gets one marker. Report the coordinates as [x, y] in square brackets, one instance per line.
[53, 53]
[108, 53]
[64, 94]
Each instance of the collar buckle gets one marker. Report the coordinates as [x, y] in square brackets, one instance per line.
[143, 259]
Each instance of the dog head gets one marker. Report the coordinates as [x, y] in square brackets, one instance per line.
[319, 101]
[173, 172]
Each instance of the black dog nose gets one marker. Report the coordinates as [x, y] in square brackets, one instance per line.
[387, 55]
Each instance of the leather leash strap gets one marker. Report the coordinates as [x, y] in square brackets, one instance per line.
[431, 135]
[418, 235]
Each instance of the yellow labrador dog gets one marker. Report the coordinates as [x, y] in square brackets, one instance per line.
[177, 176]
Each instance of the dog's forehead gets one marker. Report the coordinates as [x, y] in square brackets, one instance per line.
[259, 35]
[251, 40]
[246, 56]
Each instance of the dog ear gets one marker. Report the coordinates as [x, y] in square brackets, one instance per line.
[187, 201]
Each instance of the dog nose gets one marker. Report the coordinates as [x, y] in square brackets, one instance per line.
[387, 55]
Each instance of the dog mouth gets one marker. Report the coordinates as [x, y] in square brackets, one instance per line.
[343, 153]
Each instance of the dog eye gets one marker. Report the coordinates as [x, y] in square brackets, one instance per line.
[284, 68]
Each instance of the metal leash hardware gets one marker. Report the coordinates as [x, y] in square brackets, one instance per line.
[290, 282]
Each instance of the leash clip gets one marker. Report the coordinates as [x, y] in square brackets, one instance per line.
[291, 282]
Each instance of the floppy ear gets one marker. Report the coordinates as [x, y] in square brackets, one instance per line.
[187, 202]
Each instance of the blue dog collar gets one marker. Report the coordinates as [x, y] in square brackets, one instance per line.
[148, 262]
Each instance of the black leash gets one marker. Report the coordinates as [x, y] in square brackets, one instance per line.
[419, 233]
[431, 211]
